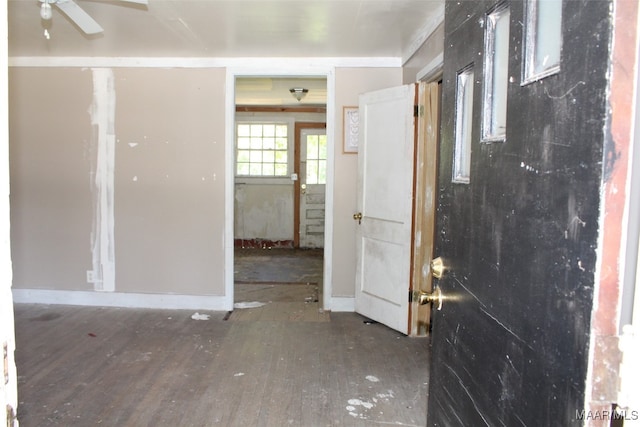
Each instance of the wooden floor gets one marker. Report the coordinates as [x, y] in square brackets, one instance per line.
[278, 265]
[87, 366]
[286, 362]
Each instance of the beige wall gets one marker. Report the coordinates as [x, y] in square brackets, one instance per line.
[350, 83]
[428, 52]
[170, 221]
[50, 163]
[168, 187]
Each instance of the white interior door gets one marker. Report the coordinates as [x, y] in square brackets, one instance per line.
[313, 178]
[385, 194]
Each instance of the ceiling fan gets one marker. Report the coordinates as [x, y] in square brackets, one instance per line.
[74, 12]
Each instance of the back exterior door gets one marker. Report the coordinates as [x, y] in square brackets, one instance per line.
[517, 223]
[313, 178]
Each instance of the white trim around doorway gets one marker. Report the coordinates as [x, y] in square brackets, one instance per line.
[287, 70]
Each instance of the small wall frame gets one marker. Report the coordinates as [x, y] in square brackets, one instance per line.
[350, 129]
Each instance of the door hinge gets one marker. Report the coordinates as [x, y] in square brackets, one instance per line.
[418, 110]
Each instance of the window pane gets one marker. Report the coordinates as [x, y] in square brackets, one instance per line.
[269, 130]
[256, 157]
[256, 143]
[244, 130]
[543, 39]
[464, 112]
[548, 34]
[256, 130]
[268, 157]
[322, 172]
[255, 169]
[268, 169]
[268, 143]
[281, 157]
[496, 75]
[323, 147]
[243, 169]
[312, 146]
[312, 172]
[256, 154]
[281, 131]
[243, 156]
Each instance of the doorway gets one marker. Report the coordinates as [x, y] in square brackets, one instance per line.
[280, 173]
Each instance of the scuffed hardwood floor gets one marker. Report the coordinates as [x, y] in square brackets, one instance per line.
[87, 366]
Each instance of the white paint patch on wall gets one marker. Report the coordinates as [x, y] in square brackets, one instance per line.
[102, 113]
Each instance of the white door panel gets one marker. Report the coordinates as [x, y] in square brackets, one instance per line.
[385, 185]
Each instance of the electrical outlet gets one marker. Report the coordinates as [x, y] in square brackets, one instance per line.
[91, 276]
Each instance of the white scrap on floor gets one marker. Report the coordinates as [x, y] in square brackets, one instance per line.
[198, 316]
[251, 304]
[372, 378]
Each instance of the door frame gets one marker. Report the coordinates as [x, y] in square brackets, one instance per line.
[264, 69]
[298, 127]
[427, 143]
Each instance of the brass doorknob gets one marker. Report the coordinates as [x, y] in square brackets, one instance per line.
[437, 268]
[434, 297]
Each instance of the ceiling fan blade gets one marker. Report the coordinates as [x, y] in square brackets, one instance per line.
[79, 16]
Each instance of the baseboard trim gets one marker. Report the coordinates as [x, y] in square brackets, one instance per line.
[137, 300]
[343, 304]
[121, 299]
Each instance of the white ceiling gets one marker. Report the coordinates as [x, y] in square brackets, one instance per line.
[230, 29]
[274, 91]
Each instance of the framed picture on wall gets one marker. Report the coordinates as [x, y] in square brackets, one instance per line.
[350, 126]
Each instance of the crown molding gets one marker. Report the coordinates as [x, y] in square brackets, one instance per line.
[189, 62]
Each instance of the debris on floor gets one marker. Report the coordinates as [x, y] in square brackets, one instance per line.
[198, 316]
[250, 304]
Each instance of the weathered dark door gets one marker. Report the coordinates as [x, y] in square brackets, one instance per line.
[517, 223]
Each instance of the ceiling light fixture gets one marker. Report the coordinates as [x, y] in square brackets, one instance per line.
[45, 10]
[298, 92]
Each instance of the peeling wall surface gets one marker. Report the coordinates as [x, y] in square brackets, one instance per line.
[153, 208]
[264, 211]
[520, 240]
[133, 192]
